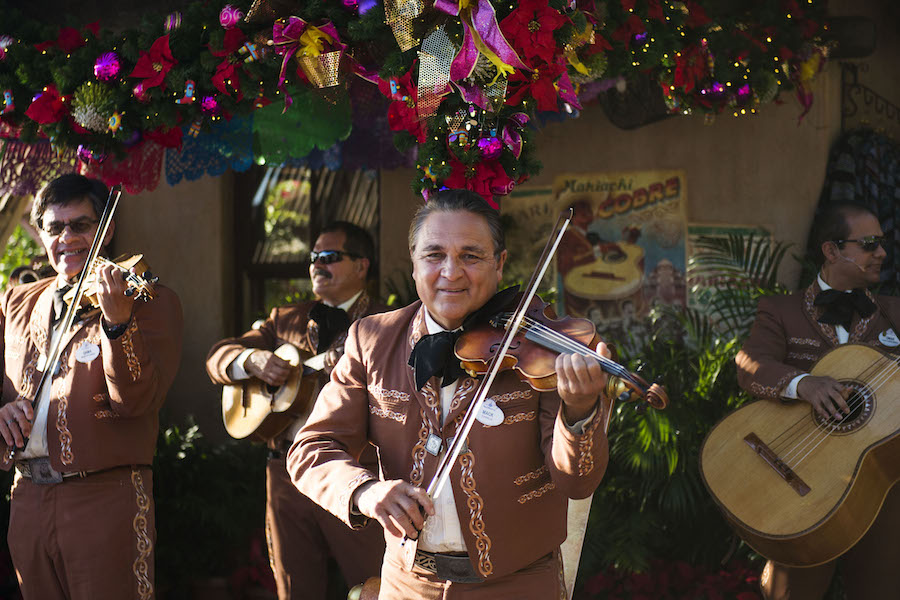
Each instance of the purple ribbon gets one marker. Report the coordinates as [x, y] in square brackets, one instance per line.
[484, 20]
[286, 39]
[511, 132]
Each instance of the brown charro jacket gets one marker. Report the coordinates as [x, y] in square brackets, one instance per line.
[286, 324]
[786, 339]
[103, 410]
[512, 483]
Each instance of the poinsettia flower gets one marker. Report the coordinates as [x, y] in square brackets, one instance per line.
[402, 114]
[540, 84]
[486, 178]
[228, 73]
[153, 65]
[697, 17]
[630, 28]
[47, 107]
[690, 68]
[167, 138]
[529, 28]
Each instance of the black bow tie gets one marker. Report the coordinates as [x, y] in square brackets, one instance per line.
[331, 321]
[59, 305]
[433, 354]
[841, 306]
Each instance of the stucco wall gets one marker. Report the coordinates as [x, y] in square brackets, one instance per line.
[179, 229]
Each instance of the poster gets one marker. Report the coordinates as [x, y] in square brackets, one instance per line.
[624, 252]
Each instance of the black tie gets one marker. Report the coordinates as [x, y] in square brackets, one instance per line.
[59, 305]
[433, 354]
[841, 306]
[331, 321]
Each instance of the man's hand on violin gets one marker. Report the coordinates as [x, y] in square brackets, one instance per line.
[264, 365]
[15, 422]
[114, 304]
[396, 504]
[580, 380]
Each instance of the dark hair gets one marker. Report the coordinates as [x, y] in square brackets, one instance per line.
[66, 189]
[831, 224]
[356, 241]
[454, 201]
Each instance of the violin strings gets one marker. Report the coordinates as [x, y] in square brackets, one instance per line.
[541, 332]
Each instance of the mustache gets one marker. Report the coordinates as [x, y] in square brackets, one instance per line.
[323, 273]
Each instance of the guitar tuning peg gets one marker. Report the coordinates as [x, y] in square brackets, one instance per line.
[147, 275]
[129, 292]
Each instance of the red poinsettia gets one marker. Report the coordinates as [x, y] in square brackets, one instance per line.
[629, 29]
[69, 38]
[167, 138]
[47, 107]
[402, 114]
[152, 66]
[540, 84]
[229, 70]
[690, 68]
[697, 17]
[486, 178]
[529, 28]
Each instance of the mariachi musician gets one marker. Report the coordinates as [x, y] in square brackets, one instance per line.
[496, 529]
[82, 436]
[301, 535]
[789, 335]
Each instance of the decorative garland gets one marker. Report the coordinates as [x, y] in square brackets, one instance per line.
[464, 78]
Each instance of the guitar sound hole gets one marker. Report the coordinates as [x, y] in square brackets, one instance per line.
[862, 406]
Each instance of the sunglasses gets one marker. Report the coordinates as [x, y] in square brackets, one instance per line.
[327, 257]
[869, 243]
[55, 228]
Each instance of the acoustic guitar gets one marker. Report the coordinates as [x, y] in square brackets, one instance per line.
[254, 409]
[802, 490]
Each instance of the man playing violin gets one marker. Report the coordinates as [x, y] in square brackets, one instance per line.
[495, 530]
[301, 534]
[82, 523]
[789, 335]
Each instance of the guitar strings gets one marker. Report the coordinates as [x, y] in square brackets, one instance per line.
[823, 428]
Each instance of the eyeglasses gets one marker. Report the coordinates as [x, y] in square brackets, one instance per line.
[869, 243]
[55, 228]
[326, 257]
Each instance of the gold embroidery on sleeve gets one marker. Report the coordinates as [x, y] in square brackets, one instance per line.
[143, 543]
[134, 365]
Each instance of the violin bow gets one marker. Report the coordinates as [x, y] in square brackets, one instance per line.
[459, 440]
[55, 350]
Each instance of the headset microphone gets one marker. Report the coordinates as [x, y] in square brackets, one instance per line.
[842, 257]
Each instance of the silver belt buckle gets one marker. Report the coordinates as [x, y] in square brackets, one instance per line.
[41, 471]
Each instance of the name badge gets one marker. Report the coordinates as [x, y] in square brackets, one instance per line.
[889, 338]
[87, 352]
[490, 414]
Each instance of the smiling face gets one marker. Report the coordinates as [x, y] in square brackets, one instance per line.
[68, 250]
[337, 282]
[454, 266]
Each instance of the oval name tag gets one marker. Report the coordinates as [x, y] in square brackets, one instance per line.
[889, 338]
[490, 414]
[87, 352]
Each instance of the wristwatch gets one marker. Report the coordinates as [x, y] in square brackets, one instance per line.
[114, 331]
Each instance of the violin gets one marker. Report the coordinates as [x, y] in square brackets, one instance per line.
[135, 272]
[532, 353]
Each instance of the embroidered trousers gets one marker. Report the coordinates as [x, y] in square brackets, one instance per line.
[85, 539]
[302, 535]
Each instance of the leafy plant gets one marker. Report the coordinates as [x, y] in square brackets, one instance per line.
[652, 501]
[21, 250]
[210, 504]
